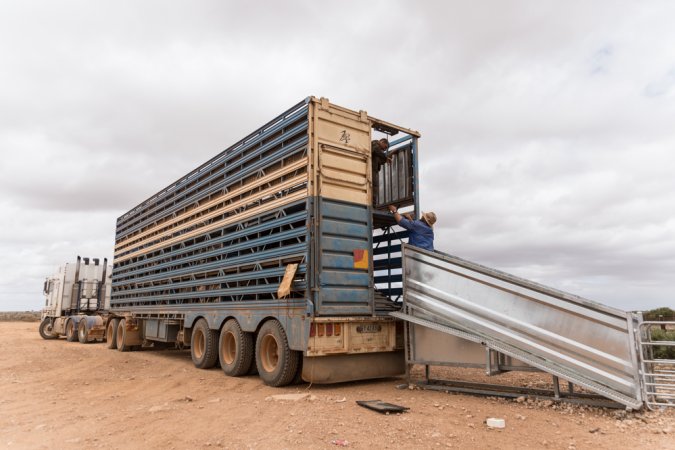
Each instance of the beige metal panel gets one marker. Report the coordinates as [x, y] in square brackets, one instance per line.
[343, 174]
[340, 130]
[130, 240]
[341, 142]
[221, 223]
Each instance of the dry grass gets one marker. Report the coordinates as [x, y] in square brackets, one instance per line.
[20, 316]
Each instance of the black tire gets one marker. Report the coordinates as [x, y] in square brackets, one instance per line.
[71, 331]
[121, 337]
[277, 363]
[235, 349]
[204, 345]
[111, 334]
[83, 332]
[46, 330]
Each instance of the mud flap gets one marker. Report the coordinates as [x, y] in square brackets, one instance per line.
[352, 367]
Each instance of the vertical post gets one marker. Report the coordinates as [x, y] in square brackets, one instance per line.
[488, 361]
[75, 296]
[416, 185]
[100, 300]
[556, 387]
[406, 348]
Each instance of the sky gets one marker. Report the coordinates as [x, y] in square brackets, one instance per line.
[548, 131]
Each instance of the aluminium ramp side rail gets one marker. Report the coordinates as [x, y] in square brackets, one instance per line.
[589, 344]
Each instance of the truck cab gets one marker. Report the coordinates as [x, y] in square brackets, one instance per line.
[75, 297]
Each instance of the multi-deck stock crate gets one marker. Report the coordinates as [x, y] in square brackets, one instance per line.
[202, 262]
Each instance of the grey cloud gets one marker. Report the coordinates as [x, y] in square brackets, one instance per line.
[547, 128]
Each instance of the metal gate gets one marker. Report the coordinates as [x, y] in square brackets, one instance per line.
[657, 365]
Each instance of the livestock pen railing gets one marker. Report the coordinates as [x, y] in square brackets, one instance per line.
[657, 363]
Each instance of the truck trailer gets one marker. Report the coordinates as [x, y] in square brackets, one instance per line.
[278, 257]
[77, 298]
[275, 256]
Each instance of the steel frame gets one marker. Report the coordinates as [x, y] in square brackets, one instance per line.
[658, 375]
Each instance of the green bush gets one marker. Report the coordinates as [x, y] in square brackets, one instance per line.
[661, 351]
[663, 313]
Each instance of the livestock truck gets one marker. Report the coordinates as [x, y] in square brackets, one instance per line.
[277, 256]
[77, 297]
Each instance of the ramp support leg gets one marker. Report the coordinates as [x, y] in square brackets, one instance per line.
[491, 362]
[556, 388]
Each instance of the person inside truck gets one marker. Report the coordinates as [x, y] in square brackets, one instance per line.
[379, 158]
[421, 232]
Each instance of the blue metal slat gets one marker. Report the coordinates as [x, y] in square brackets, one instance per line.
[244, 276]
[394, 236]
[285, 136]
[391, 263]
[289, 116]
[250, 290]
[122, 270]
[341, 278]
[297, 250]
[388, 279]
[339, 228]
[337, 261]
[384, 249]
[269, 160]
[336, 244]
[265, 240]
[345, 300]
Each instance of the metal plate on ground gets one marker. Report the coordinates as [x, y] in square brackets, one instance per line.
[382, 407]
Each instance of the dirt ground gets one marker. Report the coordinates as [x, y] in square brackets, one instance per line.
[57, 394]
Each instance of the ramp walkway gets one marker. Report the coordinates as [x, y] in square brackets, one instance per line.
[586, 343]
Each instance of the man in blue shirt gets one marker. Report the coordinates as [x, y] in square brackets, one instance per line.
[421, 232]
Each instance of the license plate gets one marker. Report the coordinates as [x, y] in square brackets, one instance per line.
[369, 328]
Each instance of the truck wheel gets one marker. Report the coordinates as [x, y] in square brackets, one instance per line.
[82, 332]
[277, 363]
[204, 345]
[71, 332]
[120, 337]
[46, 330]
[235, 349]
[111, 334]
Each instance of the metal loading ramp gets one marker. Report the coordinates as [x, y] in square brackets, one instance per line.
[586, 343]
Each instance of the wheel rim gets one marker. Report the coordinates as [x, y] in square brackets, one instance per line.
[71, 328]
[47, 328]
[200, 344]
[120, 334]
[109, 331]
[81, 331]
[269, 353]
[229, 348]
